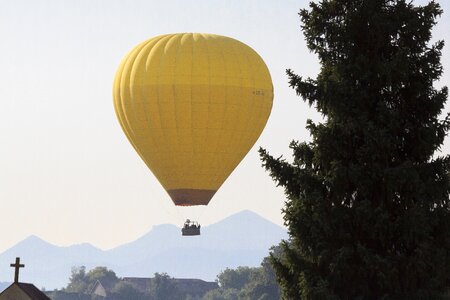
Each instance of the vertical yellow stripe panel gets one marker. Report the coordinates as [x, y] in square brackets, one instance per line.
[192, 105]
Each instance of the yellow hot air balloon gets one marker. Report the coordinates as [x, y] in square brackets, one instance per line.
[192, 105]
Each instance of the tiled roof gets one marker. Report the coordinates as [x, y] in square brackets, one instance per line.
[142, 284]
[184, 285]
[32, 291]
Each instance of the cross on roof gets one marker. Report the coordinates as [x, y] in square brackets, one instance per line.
[17, 265]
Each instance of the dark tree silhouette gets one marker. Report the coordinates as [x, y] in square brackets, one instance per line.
[367, 206]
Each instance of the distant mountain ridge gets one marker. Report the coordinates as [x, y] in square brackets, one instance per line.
[242, 239]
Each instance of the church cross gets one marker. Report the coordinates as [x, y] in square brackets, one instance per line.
[17, 265]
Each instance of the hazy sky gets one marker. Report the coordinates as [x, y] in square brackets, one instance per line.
[67, 172]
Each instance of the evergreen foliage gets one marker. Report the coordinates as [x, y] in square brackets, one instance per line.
[367, 207]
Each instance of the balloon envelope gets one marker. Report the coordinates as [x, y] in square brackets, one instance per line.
[192, 105]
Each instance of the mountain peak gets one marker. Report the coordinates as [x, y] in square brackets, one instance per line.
[247, 217]
[247, 213]
[34, 240]
[242, 239]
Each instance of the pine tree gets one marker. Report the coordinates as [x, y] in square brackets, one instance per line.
[367, 209]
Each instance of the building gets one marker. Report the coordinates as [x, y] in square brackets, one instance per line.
[21, 291]
[186, 286]
[194, 287]
[99, 290]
